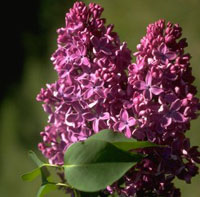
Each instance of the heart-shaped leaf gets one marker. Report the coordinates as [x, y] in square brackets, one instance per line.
[94, 164]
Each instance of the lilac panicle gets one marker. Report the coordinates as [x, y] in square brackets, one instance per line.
[90, 61]
[163, 101]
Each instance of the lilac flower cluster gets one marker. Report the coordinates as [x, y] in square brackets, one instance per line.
[155, 102]
[163, 102]
[91, 63]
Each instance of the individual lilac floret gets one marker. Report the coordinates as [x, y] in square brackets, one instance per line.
[163, 54]
[147, 87]
[163, 101]
[125, 123]
[90, 62]
[98, 118]
[172, 114]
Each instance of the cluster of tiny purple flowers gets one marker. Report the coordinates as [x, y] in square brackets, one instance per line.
[91, 63]
[155, 102]
[162, 99]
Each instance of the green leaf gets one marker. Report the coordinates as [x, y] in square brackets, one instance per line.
[35, 158]
[41, 170]
[31, 175]
[44, 189]
[120, 141]
[50, 186]
[92, 165]
[111, 136]
[134, 145]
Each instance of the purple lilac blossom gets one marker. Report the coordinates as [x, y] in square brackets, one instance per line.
[90, 61]
[155, 102]
[147, 86]
[163, 115]
[125, 123]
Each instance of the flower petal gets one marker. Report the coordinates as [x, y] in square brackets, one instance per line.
[147, 94]
[72, 117]
[171, 55]
[105, 116]
[140, 85]
[89, 116]
[88, 93]
[85, 61]
[95, 125]
[70, 120]
[100, 93]
[148, 79]
[47, 108]
[178, 117]
[166, 121]
[86, 83]
[124, 115]
[128, 132]
[171, 76]
[69, 90]
[131, 121]
[156, 90]
[121, 126]
[176, 105]
[163, 48]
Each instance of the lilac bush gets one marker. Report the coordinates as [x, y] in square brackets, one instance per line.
[155, 102]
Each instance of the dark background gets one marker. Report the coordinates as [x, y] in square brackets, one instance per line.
[29, 39]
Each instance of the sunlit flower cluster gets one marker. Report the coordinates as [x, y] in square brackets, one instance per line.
[155, 102]
[86, 98]
[163, 103]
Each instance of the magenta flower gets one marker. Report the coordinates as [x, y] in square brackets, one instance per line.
[124, 123]
[155, 102]
[101, 45]
[79, 55]
[75, 119]
[147, 87]
[164, 113]
[90, 62]
[173, 114]
[93, 86]
[98, 119]
[164, 54]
